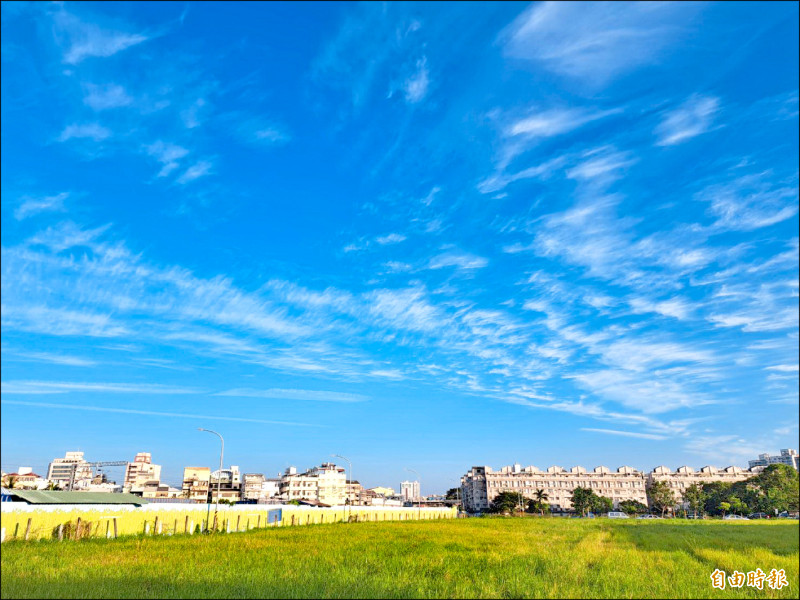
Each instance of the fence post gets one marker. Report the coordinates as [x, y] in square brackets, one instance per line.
[258, 523]
[186, 524]
[60, 532]
[115, 527]
[238, 520]
[191, 527]
[146, 527]
[2, 535]
[28, 529]
[78, 529]
[157, 527]
[108, 529]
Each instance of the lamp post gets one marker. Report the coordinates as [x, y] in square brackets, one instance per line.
[349, 510]
[419, 480]
[219, 478]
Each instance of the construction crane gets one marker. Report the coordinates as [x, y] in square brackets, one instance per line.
[105, 463]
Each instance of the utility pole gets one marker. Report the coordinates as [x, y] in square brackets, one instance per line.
[352, 482]
[419, 481]
[219, 479]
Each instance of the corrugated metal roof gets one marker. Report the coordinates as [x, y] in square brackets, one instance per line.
[58, 497]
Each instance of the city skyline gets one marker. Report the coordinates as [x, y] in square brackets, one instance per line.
[423, 236]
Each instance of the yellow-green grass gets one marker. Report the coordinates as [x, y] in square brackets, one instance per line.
[486, 558]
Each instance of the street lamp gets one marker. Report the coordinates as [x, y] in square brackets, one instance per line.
[419, 480]
[349, 510]
[219, 478]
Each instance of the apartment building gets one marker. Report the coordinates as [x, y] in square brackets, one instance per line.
[252, 486]
[786, 457]
[356, 493]
[686, 476]
[409, 491]
[326, 484]
[61, 469]
[481, 485]
[196, 483]
[141, 472]
[226, 484]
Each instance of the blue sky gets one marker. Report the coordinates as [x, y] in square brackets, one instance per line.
[423, 236]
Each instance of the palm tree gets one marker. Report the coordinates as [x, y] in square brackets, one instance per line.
[541, 497]
[52, 486]
[11, 482]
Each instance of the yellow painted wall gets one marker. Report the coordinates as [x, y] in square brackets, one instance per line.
[44, 523]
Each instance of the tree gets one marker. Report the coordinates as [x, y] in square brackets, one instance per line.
[539, 502]
[776, 488]
[582, 500]
[53, 486]
[737, 506]
[715, 493]
[633, 507]
[601, 504]
[453, 494]
[11, 482]
[696, 497]
[507, 502]
[661, 496]
[724, 507]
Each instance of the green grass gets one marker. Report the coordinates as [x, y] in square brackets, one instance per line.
[486, 558]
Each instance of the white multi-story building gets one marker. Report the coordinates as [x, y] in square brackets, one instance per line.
[481, 485]
[141, 472]
[226, 484]
[326, 484]
[409, 491]
[684, 477]
[786, 457]
[61, 469]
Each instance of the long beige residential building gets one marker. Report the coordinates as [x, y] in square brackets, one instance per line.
[481, 485]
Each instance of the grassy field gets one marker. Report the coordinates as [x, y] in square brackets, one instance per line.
[487, 558]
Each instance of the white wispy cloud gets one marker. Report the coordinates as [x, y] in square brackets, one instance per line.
[674, 307]
[199, 169]
[644, 436]
[460, 260]
[691, 119]
[553, 122]
[279, 394]
[152, 413]
[104, 97]
[391, 238]
[784, 368]
[191, 114]
[167, 154]
[595, 42]
[751, 202]
[602, 164]
[60, 359]
[32, 206]
[416, 86]
[93, 131]
[84, 40]
[63, 387]
[500, 180]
